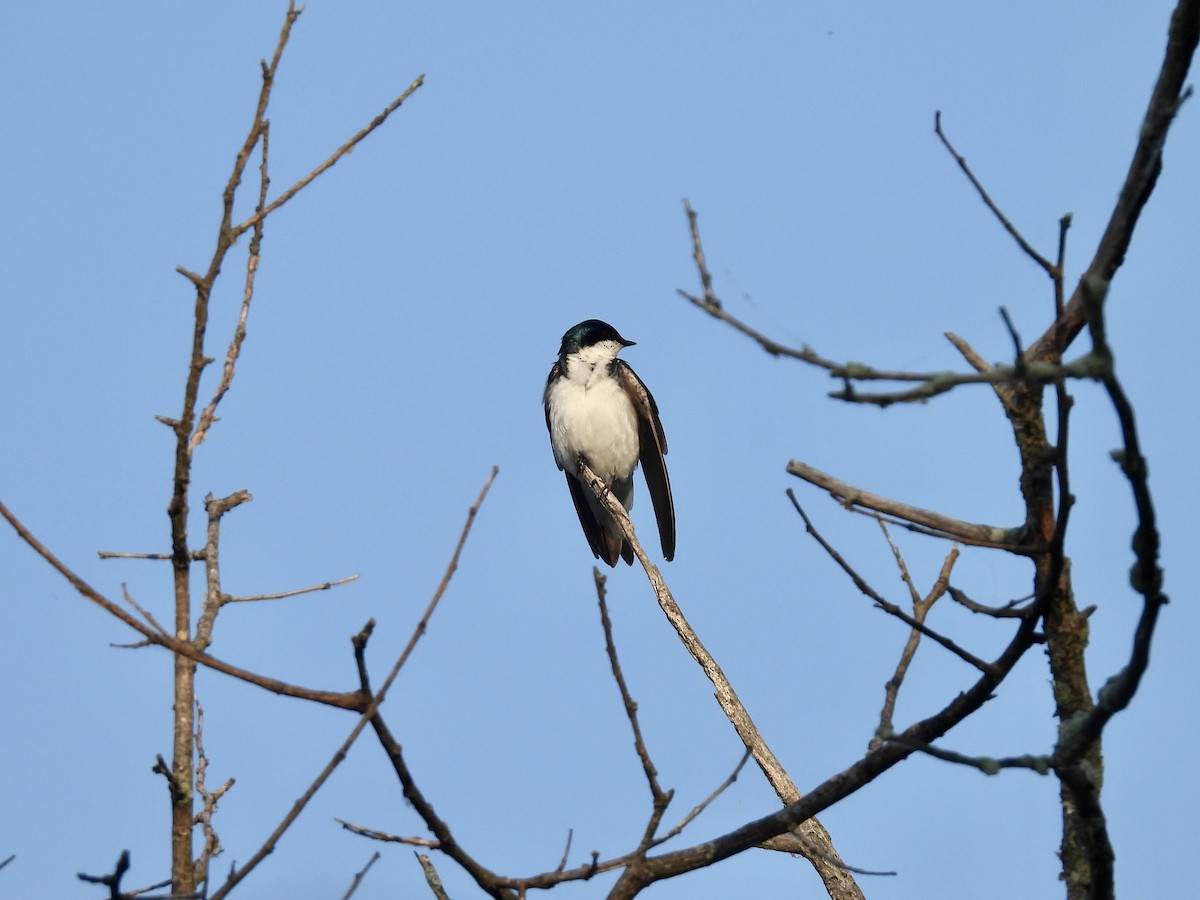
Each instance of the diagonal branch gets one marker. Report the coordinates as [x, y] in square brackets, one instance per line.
[341, 151]
[369, 713]
[1168, 94]
[825, 860]
[1045, 264]
[917, 624]
[353, 700]
[921, 607]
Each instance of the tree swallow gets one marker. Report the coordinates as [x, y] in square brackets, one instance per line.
[599, 411]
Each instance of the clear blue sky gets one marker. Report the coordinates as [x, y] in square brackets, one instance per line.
[408, 308]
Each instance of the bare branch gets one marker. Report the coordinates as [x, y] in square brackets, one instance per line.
[660, 797]
[921, 607]
[145, 613]
[209, 415]
[360, 875]
[835, 879]
[927, 521]
[562, 863]
[1146, 575]
[1010, 610]
[707, 801]
[1168, 95]
[886, 605]
[369, 714]
[352, 700]
[209, 799]
[1003, 219]
[323, 586]
[710, 299]
[287, 195]
[196, 555]
[985, 764]
[377, 835]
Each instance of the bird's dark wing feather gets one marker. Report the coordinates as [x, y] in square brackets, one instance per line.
[652, 449]
[555, 373]
[603, 545]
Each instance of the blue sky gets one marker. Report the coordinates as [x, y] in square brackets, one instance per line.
[408, 308]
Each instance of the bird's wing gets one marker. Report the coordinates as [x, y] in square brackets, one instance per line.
[555, 373]
[652, 448]
[604, 545]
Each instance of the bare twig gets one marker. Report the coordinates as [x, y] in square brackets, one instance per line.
[710, 299]
[376, 835]
[343, 700]
[707, 801]
[562, 863]
[921, 607]
[657, 793]
[1011, 610]
[1003, 219]
[915, 518]
[1165, 100]
[360, 875]
[146, 614]
[208, 803]
[985, 764]
[312, 589]
[337, 155]
[884, 604]
[196, 555]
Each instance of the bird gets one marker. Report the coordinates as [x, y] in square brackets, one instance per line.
[600, 412]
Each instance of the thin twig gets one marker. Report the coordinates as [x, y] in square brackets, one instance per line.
[360, 875]
[562, 863]
[707, 801]
[985, 764]
[631, 707]
[921, 608]
[1010, 610]
[886, 605]
[1003, 219]
[376, 835]
[209, 800]
[337, 155]
[323, 586]
[196, 555]
[710, 299]
[146, 614]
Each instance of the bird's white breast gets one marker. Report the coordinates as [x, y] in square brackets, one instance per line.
[591, 415]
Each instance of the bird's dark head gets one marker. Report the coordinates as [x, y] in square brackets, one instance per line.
[589, 333]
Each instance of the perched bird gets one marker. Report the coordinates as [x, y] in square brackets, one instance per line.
[599, 411]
